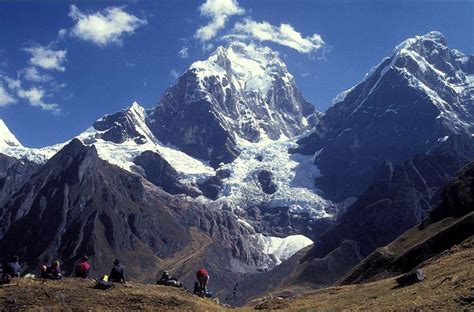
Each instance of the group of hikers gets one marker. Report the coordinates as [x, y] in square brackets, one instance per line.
[82, 268]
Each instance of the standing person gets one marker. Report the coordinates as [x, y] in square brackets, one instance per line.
[13, 267]
[203, 278]
[82, 268]
[117, 273]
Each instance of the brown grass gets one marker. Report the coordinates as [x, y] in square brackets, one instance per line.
[448, 286]
[79, 295]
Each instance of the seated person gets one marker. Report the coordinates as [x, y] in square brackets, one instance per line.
[12, 268]
[117, 273]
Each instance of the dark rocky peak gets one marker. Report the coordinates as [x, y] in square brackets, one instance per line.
[159, 172]
[128, 124]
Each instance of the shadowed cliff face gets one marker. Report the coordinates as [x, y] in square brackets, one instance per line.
[13, 174]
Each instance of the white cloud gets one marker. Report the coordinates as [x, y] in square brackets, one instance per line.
[35, 97]
[219, 11]
[184, 52]
[32, 74]
[5, 97]
[284, 35]
[47, 58]
[106, 27]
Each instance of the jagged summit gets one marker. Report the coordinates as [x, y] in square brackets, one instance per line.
[242, 91]
[249, 67]
[128, 124]
[6, 137]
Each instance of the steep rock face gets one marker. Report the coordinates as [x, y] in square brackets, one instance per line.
[126, 124]
[13, 174]
[419, 95]
[241, 90]
[159, 172]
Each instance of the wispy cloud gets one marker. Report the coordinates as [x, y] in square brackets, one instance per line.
[285, 35]
[35, 96]
[184, 52]
[5, 97]
[47, 58]
[247, 29]
[104, 27]
[219, 12]
[32, 74]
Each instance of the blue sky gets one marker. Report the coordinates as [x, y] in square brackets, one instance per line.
[59, 72]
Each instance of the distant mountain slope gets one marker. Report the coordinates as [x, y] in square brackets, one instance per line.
[239, 91]
[447, 287]
[448, 224]
[421, 94]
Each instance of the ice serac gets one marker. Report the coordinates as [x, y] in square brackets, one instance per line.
[419, 95]
[6, 137]
[240, 91]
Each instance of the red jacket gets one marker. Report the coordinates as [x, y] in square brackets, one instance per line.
[83, 266]
[202, 272]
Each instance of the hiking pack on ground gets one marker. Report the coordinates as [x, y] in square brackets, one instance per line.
[166, 280]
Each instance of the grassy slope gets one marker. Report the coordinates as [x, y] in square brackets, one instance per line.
[449, 286]
[76, 294]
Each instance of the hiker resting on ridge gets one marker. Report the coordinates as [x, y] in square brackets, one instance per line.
[117, 273]
[51, 272]
[82, 268]
[166, 280]
[13, 267]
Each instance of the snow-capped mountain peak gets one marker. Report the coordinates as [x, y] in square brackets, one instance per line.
[241, 91]
[430, 41]
[250, 67]
[6, 137]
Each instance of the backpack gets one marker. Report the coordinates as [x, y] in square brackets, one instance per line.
[104, 283]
